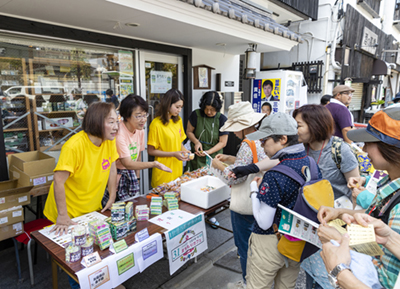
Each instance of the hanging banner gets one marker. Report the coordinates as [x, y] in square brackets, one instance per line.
[125, 59]
[160, 81]
[186, 242]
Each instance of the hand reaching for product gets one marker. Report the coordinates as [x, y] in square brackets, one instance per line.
[198, 149]
[162, 167]
[356, 182]
[181, 155]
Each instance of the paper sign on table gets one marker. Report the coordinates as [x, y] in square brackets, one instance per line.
[97, 276]
[142, 235]
[123, 265]
[118, 246]
[186, 242]
[149, 251]
[298, 226]
[171, 219]
[91, 259]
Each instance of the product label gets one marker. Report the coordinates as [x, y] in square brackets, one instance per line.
[87, 250]
[3, 220]
[80, 240]
[17, 227]
[125, 263]
[17, 213]
[50, 178]
[99, 277]
[75, 256]
[2, 200]
[120, 246]
[22, 199]
[39, 181]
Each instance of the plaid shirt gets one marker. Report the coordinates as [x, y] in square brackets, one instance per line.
[388, 266]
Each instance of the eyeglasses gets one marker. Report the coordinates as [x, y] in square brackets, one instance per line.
[348, 93]
[141, 116]
[264, 140]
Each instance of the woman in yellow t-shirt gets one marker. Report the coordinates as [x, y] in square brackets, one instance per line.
[85, 166]
[166, 135]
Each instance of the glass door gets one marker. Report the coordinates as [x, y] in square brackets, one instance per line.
[158, 73]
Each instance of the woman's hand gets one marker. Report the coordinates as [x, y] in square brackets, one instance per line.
[221, 157]
[181, 155]
[333, 255]
[162, 167]
[356, 191]
[326, 214]
[108, 205]
[258, 180]
[62, 225]
[198, 149]
[218, 165]
[356, 182]
[382, 231]
[327, 233]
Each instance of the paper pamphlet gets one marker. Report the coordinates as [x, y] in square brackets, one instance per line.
[344, 203]
[298, 226]
[338, 225]
[362, 240]
[215, 171]
[372, 184]
[65, 239]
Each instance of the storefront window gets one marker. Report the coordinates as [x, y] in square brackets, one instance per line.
[46, 86]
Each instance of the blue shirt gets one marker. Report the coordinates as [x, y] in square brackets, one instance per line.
[277, 188]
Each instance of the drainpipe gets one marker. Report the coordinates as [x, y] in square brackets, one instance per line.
[333, 50]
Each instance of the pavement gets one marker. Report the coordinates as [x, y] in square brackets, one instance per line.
[215, 268]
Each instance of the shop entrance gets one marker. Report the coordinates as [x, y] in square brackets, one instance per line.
[157, 73]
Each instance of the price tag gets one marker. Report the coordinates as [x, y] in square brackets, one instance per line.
[142, 235]
[118, 246]
[91, 259]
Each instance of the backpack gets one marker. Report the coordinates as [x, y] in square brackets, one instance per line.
[313, 193]
[393, 201]
[364, 163]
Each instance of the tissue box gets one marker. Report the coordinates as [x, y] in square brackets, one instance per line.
[205, 192]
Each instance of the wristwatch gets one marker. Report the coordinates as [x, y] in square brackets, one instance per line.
[332, 276]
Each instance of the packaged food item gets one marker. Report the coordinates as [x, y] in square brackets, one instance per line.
[128, 211]
[172, 204]
[156, 206]
[142, 213]
[132, 224]
[100, 232]
[72, 252]
[118, 212]
[119, 230]
[87, 248]
[79, 235]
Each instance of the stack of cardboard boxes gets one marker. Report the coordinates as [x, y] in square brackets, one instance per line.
[26, 170]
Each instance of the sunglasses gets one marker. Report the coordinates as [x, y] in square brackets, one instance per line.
[264, 140]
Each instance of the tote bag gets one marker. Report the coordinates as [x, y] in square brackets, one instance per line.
[240, 193]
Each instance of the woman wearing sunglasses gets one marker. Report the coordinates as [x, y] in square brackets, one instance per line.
[203, 129]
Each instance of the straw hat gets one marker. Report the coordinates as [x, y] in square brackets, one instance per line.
[241, 116]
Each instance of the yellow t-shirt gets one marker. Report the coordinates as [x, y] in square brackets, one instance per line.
[167, 138]
[89, 167]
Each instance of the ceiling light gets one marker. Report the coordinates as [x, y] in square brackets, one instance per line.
[132, 24]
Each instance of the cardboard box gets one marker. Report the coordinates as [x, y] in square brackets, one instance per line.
[61, 121]
[11, 216]
[192, 192]
[11, 231]
[31, 168]
[11, 195]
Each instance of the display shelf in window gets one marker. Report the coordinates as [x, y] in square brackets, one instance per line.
[53, 128]
[17, 125]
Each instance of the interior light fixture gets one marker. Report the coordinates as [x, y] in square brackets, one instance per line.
[132, 24]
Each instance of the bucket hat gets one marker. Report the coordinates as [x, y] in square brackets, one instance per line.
[276, 124]
[241, 116]
[342, 88]
[383, 126]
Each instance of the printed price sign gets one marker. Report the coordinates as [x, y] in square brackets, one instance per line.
[142, 235]
[99, 277]
[125, 263]
[91, 259]
[120, 246]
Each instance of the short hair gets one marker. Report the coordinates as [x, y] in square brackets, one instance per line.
[325, 99]
[210, 98]
[319, 121]
[170, 97]
[267, 104]
[109, 92]
[291, 139]
[93, 121]
[390, 153]
[130, 103]
[268, 82]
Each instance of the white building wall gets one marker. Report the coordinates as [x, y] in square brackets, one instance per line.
[226, 64]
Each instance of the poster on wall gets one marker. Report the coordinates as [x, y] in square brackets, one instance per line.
[125, 86]
[186, 242]
[203, 77]
[266, 90]
[160, 81]
[125, 59]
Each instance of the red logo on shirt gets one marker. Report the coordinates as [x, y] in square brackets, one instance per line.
[180, 132]
[264, 189]
[105, 164]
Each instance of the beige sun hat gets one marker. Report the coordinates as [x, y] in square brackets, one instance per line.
[241, 116]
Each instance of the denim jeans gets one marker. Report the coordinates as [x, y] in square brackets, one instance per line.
[311, 283]
[242, 226]
[73, 283]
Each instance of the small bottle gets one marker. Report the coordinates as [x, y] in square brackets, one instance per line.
[87, 248]
[79, 235]
[72, 252]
